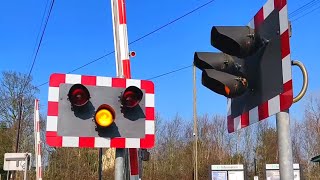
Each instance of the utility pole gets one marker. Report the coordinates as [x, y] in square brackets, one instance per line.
[18, 132]
[100, 164]
[19, 123]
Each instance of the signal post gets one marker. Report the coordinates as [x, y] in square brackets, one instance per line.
[123, 70]
[104, 112]
[254, 73]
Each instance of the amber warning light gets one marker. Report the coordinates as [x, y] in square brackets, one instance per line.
[104, 116]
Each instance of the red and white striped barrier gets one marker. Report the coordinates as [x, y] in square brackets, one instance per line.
[37, 136]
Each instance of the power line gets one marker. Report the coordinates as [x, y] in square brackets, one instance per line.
[42, 34]
[305, 14]
[294, 13]
[175, 20]
[303, 8]
[39, 44]
[97, 59]
[142, 37]
[41, 25]
[170, 72]
[24, 85]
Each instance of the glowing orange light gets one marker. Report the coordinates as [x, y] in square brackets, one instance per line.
[104, 116]
[227, 90]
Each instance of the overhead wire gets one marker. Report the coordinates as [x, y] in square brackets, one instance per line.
[142, 37]
[292, 14]
[170, 72]
[39, 43]
[296, 12]
[305, 14]
[41, 27]
[27, 80]
[173, 21]
[304, 8]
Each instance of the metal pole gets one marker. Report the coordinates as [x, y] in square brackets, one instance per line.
[100, 164]
[18, 132]
[140, 163]
[285, 146]
[25, 174]
[119, 164]
[126, 164]
[195, 125]
[255, 166]
[26, 167]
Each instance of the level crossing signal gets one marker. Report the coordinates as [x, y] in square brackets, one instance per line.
[94, 111]
[253, 69]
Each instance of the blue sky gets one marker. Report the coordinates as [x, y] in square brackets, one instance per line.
[81, 31]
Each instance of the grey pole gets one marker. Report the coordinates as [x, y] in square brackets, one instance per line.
[140, 163]
[25, 174]
[195, 126]
[119, 164]
[126, 164]
[285, 146]
[100, 164]
[26, 166]
[18, 134]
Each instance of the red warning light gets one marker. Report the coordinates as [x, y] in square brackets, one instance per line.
[131, 97]
[78, 95]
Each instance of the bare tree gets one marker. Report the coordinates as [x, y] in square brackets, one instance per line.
[17, 96]
[309, 138]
